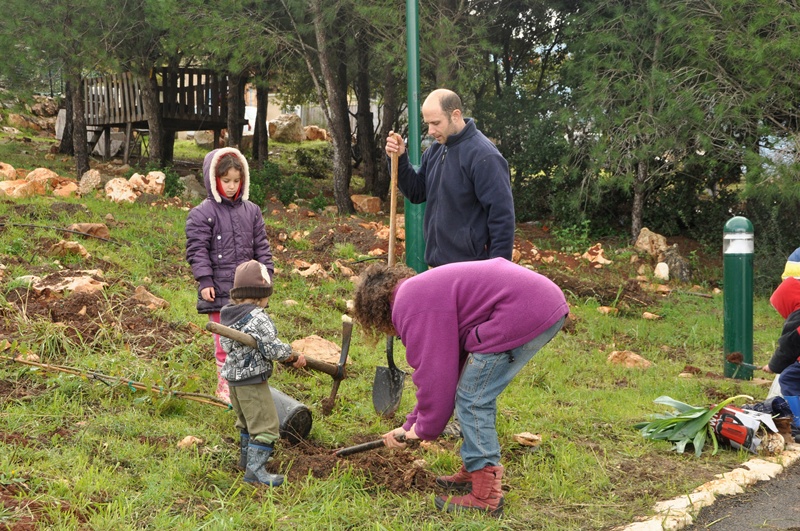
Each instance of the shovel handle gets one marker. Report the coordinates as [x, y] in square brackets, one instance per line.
[363, 447]
[393, 204]
[247, 339]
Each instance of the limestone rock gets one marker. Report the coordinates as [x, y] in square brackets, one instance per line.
[142, 296]
[661, 272]
[152, 183]
[650, 242]
[312, 132]
[596, 254]
[204, 139]
[17, 189]
[288, 129]
[366, 203]
[66, 188]
[65, 247]
[7, 172]
[120, 190]
[45, 106]
[679, 267]
[99, 230]
[628, 359]
[91, 180]
[43, 180]
[318, 348]
[193, 189]
[18, 120]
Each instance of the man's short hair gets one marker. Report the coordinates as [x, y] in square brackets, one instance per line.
[450, 102]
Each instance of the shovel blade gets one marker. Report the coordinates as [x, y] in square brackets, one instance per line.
[387, 390]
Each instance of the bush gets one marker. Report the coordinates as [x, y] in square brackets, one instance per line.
[269, 177]
[773, 212]
[261, 179]
[315, 160]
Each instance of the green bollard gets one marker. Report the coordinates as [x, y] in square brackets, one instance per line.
[737, 274]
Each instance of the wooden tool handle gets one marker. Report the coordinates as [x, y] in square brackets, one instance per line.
[393, 204]
[247, 339]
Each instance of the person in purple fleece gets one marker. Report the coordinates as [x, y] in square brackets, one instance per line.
[468, 329]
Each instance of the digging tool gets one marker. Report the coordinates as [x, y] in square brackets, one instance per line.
[347, 332]
[387, 388]
[363, 447]
[737, 359]
[337, 371]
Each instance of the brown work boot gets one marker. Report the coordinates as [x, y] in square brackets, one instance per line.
[460, 481]
[486, 495]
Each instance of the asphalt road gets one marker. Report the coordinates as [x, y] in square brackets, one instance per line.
[772, 505]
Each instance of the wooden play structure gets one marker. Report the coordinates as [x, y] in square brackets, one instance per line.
[190, 99]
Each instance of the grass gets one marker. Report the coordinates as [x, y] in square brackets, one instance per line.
[94, 456]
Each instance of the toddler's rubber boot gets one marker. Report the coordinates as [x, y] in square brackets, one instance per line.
[255, 471]
[244, 441]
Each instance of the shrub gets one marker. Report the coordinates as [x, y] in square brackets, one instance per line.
[315, 160]
[267, 176]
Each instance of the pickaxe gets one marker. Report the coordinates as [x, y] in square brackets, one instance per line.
[337, 372]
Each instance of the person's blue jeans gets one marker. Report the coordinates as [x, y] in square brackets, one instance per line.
[484, 377]
[790, 380]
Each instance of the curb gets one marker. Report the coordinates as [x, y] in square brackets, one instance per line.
[680, 512]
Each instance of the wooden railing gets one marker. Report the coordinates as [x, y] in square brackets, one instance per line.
[114, 99]
[186, 95]
[192, 94]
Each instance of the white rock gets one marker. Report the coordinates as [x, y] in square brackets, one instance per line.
[661, 272]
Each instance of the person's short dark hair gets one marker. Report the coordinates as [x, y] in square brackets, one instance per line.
[450, 102]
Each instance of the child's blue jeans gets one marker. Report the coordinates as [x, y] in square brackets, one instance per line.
[484, 377]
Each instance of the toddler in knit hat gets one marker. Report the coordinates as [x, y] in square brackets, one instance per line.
[247, 369]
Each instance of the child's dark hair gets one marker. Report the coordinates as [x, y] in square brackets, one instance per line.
[226, 162]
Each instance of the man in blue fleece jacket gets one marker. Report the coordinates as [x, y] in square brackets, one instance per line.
[469, 214]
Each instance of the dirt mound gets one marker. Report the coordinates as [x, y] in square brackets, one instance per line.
[83, 316]
[395, 470]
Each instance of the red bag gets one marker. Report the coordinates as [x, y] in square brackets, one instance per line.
[729, 429]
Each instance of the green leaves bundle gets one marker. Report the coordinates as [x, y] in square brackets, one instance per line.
[688, 424]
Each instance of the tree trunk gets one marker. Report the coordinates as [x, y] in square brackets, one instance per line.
[67, 147]
[236, 106]
[79, 140]
[338, 115]
[388, 118]
[152, 112]
[260, 133]
[637, 210]
[169, 147]
[364, 121]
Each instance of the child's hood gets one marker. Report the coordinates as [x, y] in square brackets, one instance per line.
[786, 297]
[209, 172]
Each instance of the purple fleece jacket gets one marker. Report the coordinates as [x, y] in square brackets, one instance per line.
[443, 314]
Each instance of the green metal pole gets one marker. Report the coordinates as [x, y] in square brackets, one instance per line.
[737, 274]
[414, 214]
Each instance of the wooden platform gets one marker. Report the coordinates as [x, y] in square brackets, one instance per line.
[191, 99]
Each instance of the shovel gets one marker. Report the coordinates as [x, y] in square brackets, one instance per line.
[363, 447]
[387, 388]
